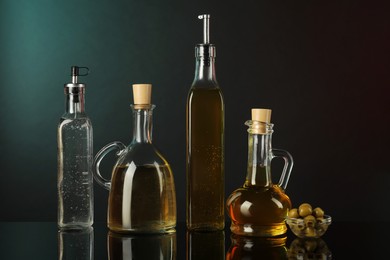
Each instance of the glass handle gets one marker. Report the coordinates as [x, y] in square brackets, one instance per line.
[98, 158]
[288, 164]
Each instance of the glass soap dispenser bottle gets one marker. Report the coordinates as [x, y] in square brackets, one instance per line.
[205, 191]
[142, 196]
[75, 158]
[259, 207]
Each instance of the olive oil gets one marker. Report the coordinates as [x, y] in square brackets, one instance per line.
[142, 198]
[259, 210]
[205, 142]
[205, 179]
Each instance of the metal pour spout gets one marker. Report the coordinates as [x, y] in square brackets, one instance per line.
[206, 27]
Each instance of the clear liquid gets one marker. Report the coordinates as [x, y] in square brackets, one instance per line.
[75, 179]
[205, 159]
[142, 199]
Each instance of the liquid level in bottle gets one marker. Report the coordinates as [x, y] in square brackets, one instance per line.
[142, 199]
[205, 166]
[258, 211]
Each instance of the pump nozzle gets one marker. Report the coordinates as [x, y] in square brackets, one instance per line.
[206, 27]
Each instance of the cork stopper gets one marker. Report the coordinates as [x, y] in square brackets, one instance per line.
[260, 118]
[261, 114]
[142, 95]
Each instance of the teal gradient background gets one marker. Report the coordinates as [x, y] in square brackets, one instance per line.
[321, 66]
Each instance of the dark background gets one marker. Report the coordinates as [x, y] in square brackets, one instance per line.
[321, 66]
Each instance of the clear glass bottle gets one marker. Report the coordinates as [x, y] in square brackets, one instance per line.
[259, 207]
[142, 196]
[205, 191]
[75, 158]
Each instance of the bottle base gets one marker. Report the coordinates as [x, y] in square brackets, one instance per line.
[205, 227]
[121, 230]
[74, 226]
[259, 231]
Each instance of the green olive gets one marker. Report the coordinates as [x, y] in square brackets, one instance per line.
[305, 209]
[310, 221]
[293, 213]
[310, 232]
[318, 212]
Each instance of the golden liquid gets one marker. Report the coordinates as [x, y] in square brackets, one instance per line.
[258, 210]
[142, 199]
[205, 159]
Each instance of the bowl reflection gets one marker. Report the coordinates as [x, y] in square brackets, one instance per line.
[309, 248]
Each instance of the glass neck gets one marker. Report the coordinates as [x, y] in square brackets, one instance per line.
[74, 103]
[259, 160]
[143, 124]
[205, 69]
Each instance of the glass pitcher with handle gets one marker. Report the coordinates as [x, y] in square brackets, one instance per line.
[259, 207]
[142, 197]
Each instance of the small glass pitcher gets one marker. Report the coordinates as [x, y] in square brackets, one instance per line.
[259, 207]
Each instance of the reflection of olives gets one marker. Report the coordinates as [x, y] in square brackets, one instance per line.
[309, 248]
[304, 210]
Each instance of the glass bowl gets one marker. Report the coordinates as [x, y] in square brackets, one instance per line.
[303, 228]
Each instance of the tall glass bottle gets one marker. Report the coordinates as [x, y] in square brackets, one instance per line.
[259, 207]
[142, 196]
[205, 142]
[75, 158]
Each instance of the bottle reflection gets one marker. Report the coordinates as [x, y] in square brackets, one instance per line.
[205, 245]
[309, 248]
[244, 247]
[148, 246]
[75, 244]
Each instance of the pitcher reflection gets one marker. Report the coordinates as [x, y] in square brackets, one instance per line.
[244, 247]
[205, 245]
[143, 246]
[75, 244]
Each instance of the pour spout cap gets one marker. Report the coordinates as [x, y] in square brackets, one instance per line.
[142, 95]
[75, 73]
[206, 27]
[261, 114]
